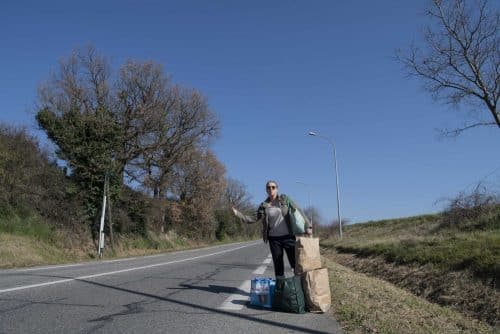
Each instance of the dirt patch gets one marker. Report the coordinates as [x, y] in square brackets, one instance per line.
[459, 290]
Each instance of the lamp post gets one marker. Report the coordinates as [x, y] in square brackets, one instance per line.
[308, 198]
[312, 133]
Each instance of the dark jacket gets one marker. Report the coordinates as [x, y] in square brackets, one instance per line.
[261, 217]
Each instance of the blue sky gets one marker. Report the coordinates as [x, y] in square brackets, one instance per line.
[272, 71]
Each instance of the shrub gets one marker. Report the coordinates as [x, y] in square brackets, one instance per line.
[467, 208]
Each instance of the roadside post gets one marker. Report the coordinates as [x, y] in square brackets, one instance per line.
[101, 228]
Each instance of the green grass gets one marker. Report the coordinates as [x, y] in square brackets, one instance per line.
[24, 251]
[431, 257]
[423, 240]
[151, 242]
[26, 240]
[31, 226]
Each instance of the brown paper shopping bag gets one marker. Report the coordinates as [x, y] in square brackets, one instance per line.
[307, 256]
[316, 287]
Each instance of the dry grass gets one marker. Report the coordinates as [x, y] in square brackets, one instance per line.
[454, 266]
[23, 251]
[26, 250]
[368, 305]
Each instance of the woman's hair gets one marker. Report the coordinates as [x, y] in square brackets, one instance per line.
[272, 181]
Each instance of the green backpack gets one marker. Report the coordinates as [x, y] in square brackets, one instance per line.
[289, 296]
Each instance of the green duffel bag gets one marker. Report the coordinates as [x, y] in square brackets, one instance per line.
[289, 296]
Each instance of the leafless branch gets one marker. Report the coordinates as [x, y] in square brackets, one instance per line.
[460, 63]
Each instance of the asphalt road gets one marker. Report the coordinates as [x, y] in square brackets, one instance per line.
[196, 291]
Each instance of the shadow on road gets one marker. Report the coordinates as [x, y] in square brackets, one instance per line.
[216, 289]
[212, 288]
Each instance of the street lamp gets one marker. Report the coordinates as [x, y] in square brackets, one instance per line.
[311, 133]
[309, 199]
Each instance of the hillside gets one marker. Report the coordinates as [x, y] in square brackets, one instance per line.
[452, 263]
[31, 241]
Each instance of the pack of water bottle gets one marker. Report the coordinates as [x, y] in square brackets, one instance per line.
[262, 292]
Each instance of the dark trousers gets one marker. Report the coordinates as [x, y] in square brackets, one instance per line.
[277, 245]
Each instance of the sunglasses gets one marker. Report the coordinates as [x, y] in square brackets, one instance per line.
[271, 187]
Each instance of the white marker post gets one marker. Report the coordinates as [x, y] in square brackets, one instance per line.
[101, 229]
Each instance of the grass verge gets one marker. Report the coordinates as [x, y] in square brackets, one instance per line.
[477, 250]
[25, 251]
[28, 241]
[364, 304]
[454, 265]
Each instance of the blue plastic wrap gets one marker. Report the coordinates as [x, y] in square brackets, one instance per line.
[262, 292]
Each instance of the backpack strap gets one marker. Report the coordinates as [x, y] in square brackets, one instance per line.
[285, 201]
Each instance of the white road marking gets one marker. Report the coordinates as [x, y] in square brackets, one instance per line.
[106, 261]
[119, 260]
[24, 287]
[260, 270]
[236, 301]
[68, 265]
[49, 267]
[38, 285]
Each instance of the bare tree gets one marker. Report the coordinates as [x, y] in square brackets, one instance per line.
[461, 60]
[161, 122]
[313, 214]
[237, 195]
[135, 124]
[332, 229]
[197, 184]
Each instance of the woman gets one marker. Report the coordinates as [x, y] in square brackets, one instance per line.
[273, 214]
